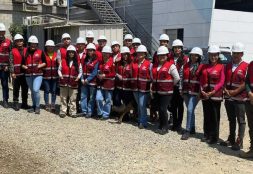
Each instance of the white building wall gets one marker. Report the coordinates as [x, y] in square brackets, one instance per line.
[229, 27]
[192, 15]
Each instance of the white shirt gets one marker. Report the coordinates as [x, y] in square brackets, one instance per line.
[234, 66]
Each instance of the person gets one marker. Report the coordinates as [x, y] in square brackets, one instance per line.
[69, 71]
[211, 81]
[128, 42]
[191, 88]
[17, 73]
[106, 78]
[179, 59]
[136, 43]
[102, 41]
[61, 53]
[5, 49]
[164, 77]
[141, 93]
[163, 41]
[33, 64]
[50, 76]
[235, 95]
[80, 47]
[249, 110]
[89, 78]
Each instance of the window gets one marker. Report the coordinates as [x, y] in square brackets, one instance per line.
[175, 34]
[237, 5]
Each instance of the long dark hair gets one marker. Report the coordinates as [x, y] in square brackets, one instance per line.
[75, 62]
[180, 59]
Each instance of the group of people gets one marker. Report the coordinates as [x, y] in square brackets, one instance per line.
[98, 79]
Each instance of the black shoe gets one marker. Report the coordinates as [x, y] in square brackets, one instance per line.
[5, 104]
[185, 136]
[193, 131]
[31, 110]
[204, 139]
[212, 141]
[162, 131]
[238, 145]
[16, 106]
[141, 126]
[37, 111]
[104, 118]
[62, 115]
[24, 106]
[229, 142]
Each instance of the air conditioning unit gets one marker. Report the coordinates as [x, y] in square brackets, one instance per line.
[62, 3]
[48, 2]
[19, 1]
[32, 2]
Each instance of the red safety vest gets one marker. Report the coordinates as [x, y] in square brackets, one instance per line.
[116, 56]
[50, 71]
[69, 75]
[88, 67]
[235, 79]
[32, 62]
[191, 81]
[17, 60]
[171, 59]
[155, 58]
[63, 52]
[162, 81]
[141, 77]
[108, 69]
[250, 73]
[210, 79]
[5, 53]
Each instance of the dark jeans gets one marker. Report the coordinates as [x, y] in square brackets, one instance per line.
[249, 112]
[236, 110]
[4, 75]
[177, 108]
[116, 97]
[162, 102]
[211, 110]
[78, 97]
[127, 96]
[50, 87]
[18, 82]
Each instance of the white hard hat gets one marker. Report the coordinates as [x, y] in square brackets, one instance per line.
[65, 35]
[102, 37]
[197, 50]
[164, 37]
[91, 46]
[136, 40]
[238, 47]
[33, 39]
[213, 49]
[18, 37]
[128, 36]
[115, 43]
[49, 43]
[2, 27]
[107, 49]
[124, 50]
[162, 50]
[142, 49]
[177, 42]
[80, 40]
[90, 34]
[71, 48]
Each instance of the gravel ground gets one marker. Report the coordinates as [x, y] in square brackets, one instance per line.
[48, 144]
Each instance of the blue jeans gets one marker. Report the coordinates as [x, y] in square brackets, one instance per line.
[88, 95]
[50, 87]
[4, 75]
[34, 83]
[104, 102]
[191, 102]
[141, 99]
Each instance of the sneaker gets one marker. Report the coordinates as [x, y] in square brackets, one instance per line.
[248, 154]
[141, 126]
[185, 136]
[31, 110]
[162, 131]
[212, 141]
[47, 107]
[37, 111]
[53, 110]
[104, 118]
[16, 106]
[229, 142]
[24, 106]
[5, 104]
[238, 145]
[204, 139]
[62, 115]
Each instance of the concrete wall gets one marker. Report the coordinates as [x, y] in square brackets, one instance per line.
[229, 27]
[192, 15]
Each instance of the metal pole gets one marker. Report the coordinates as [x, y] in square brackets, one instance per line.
[67, 11]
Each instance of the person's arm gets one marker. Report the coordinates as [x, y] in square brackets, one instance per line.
[93, 74]
[43, 60]
[218, 86]
[80, 70]
[173, 71]
[58, 56]
[59, 70]
[247, 84]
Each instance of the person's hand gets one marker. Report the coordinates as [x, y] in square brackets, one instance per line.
[85, 82]
[227, 92]
[204, 94]
[232, 93]
[61, 77]
[13, 75]
[101, 76]
[209, 94]
[24, 67]
[151, 95]
[119, 76]
[6, 68]
[77, 79]
[117, 60]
